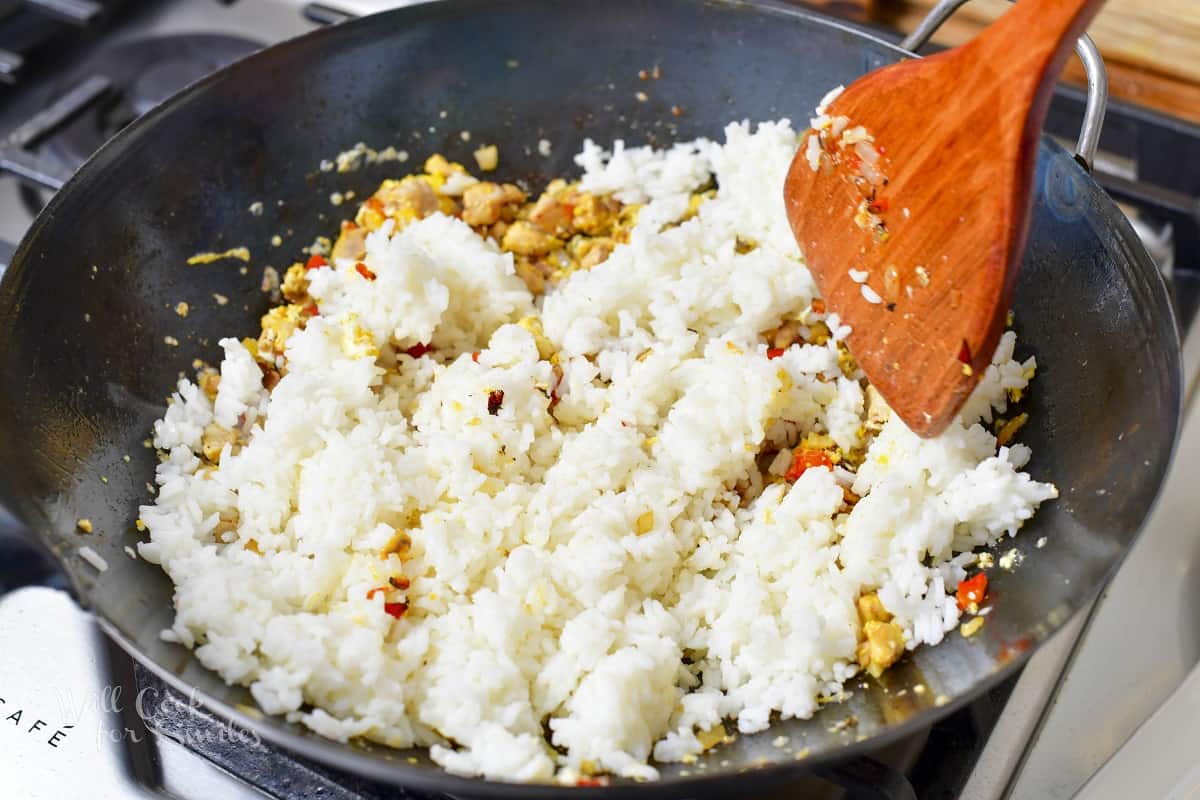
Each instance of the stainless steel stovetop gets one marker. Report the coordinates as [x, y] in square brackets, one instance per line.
[77, 716]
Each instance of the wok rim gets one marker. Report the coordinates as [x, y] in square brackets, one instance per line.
[343, 755]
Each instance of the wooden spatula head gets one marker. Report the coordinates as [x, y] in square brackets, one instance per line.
[909, 200]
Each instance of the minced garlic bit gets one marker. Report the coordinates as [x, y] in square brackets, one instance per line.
[92, 557]
[84, 525]
[843, 724]
[181, 308]
[171, 341]
[270, 279]
[276, 240]
[256, 208]
[985, 560]
[544, 147]
[1011, 558]
[221, 299]
[207, 258]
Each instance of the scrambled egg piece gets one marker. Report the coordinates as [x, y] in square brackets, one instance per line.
[882, 646]
[882, 641]
[295, 284]
[277, 325]
[357, 342]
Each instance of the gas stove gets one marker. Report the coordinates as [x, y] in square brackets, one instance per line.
[73, 72]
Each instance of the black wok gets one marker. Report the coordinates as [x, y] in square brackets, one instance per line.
[87, 301]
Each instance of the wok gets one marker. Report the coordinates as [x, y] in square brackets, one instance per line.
[88, 298]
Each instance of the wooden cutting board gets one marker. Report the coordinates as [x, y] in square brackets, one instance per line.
[1151, 47]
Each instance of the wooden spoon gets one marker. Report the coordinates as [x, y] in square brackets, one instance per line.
[913, 220]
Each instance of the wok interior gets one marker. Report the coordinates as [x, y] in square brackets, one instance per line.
[88, 301]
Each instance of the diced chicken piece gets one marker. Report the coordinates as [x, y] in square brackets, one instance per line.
[498, 230]
[271, 377]
[404, 201]
[551, 215]
[408, 199]
[593, 252]
[277, 325]
[214, 439]
[870, 609]
[295, 284]
[882, 646]
[488, 203]
[849, 498]
[533, 272]
[351, 243]
[785, 335]
[595, 215]
[558, 188]
[526, 239]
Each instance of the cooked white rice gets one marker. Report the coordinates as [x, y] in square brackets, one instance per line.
[533, 599]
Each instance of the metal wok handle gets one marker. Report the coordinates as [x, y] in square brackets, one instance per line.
[1093, 65]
